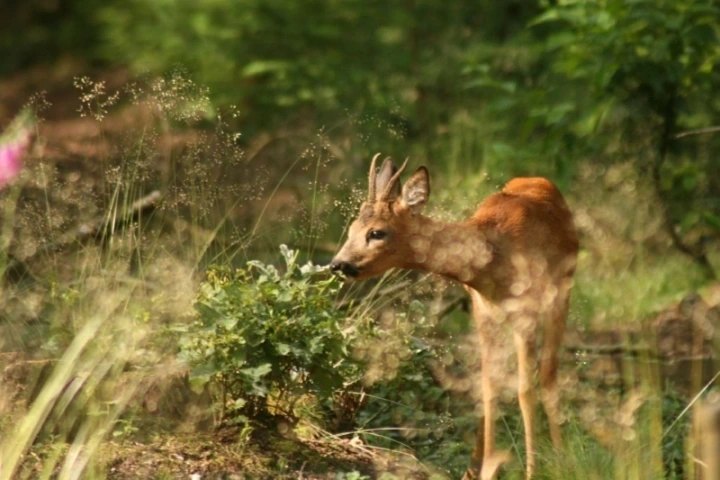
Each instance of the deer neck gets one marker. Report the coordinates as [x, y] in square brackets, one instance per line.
[459, 251]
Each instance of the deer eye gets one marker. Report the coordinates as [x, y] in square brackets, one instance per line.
[376, 235]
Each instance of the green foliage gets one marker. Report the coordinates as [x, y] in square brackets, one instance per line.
[648, 69]
[48, 30]
[273, 58]
[606, 301]
[267, 57]
[264, 334]
[676, 422]
[646, 51]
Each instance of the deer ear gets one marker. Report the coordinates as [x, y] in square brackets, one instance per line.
[416, 190]
[387, 170]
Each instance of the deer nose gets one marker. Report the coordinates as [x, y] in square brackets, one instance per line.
[347, 268]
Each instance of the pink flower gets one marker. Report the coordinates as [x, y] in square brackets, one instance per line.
[14, 144]
[10, 159]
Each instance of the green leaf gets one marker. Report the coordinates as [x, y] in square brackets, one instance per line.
[508, 87]
[238, 404]
[228, 322]
[712, 219]
[502, 149]
[260, 67]
[689, 183]
[239, 357]
[258, 372]
[561, 40]
[197, 384]
[550, 15]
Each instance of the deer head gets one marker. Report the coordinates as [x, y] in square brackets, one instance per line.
[378, 239]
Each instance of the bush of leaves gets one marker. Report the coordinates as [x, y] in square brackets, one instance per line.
[265, 339]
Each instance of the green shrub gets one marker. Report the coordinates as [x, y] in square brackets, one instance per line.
[264, 340]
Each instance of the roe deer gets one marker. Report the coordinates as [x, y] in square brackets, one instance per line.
[515, 257]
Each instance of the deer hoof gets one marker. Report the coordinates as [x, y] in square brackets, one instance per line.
[492, 464]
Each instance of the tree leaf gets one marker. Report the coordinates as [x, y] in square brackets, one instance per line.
[260, 67]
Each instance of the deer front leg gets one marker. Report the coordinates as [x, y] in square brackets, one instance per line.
[527, 365]
[485, 460]
[482, 460]
[476, 457]
[490, 465]
[486, 428]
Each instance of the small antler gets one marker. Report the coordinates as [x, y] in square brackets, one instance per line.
[393, 179]
[372, 179]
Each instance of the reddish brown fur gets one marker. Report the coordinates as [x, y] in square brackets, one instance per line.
[515, 256]
[531, 215]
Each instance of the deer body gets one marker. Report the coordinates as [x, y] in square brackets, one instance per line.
[515, 257]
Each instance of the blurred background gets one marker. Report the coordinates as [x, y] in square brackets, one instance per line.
[173, 135]
[572, 90]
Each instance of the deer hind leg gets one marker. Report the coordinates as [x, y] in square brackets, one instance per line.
[527, 366]
[553, 333]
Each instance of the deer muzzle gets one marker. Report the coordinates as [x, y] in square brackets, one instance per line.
[348, 269]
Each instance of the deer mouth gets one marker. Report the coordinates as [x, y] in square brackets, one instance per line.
[347, 269]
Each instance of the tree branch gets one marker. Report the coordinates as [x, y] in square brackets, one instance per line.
[696, 252]
[698, 131]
